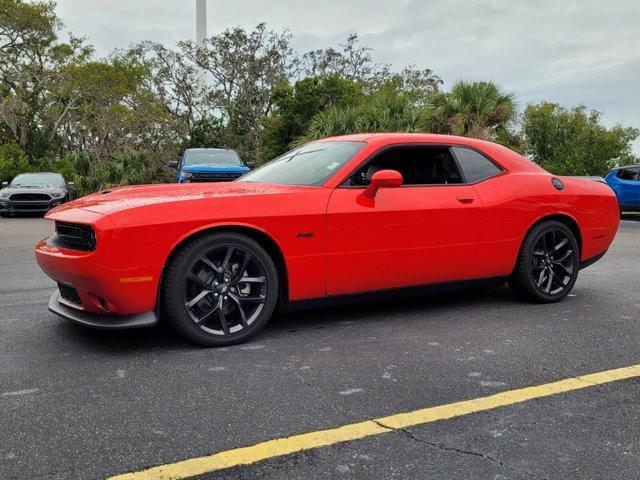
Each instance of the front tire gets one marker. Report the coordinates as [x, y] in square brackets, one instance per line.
[548, 263]
[219, 289]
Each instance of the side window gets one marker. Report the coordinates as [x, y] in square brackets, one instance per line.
[418, 166]
[474, 165]
[627, 174]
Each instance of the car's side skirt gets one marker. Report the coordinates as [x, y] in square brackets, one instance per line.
[393, 293]
[592, 260]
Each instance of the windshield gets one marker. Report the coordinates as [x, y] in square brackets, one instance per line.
[311, 164]
[38, 180]
[212, 157]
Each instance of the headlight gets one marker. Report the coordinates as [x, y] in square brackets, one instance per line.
[4, 194]
[186, 175]
[59, 194]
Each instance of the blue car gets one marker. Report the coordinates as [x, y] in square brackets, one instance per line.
[625, 182]
[210, 165]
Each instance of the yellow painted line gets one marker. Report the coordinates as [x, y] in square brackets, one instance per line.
[135, 279]
[321, 438]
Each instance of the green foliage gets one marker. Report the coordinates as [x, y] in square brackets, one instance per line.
[473, 109]
[387, 111]
[573, 141]
[208, 132]
[27, 23]
[126, 169]
[478, 109]
[13, 160]
[118, 120]
[65, 167]
[295, 105]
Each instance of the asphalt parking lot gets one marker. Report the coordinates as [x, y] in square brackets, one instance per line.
[81, 404]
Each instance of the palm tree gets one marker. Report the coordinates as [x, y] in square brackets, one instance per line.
[473, 109]
[382, 112]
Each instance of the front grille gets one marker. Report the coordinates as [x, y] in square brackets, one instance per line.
[75, 236]
[25, 206]
[69, 294]
[30, 197]
[214, 177]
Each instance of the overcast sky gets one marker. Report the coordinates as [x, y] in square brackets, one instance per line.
[565, 51]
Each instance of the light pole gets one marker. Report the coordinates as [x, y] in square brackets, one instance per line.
[201, 35]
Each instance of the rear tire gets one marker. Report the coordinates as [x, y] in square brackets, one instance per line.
[547, 265]
[219, 289]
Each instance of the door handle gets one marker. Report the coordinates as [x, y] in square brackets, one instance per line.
[463, 199]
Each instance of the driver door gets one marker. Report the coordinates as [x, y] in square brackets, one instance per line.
[416, 234]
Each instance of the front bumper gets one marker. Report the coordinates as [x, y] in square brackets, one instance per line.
[102, 322]
[28, 206]
[107, 280]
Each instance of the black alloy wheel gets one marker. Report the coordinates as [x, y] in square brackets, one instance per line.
[225, 290]
[548, 263]
[553, 261]
[219, 289]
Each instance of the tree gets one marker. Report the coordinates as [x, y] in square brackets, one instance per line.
[31, 59]
[245, 67]
[473, 109]
[172, 78]
[420, 85]
[572, 141]
[13, 160]
[387, 111]
[352, 62]
[295, 105]
[209, 132]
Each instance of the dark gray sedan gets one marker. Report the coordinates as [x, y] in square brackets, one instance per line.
[34, 193]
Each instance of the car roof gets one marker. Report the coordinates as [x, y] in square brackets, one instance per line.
[210, 150]
[636, 165]
[404, 137]
[507, 158]
[392, 138]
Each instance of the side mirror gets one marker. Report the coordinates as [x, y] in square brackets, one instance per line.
[383, 178]
[173, 164]
[71, 184]
[251, 165]
[5, 184]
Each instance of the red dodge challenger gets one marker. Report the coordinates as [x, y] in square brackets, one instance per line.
[334, 219]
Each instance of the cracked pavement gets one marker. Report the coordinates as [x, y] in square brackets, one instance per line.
[81, 404]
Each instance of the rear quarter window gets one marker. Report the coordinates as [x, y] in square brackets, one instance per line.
[627, 174]
[475, 166]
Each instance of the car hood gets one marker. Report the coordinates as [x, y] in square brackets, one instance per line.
[46, 190]
[214, 168]
[125, 198]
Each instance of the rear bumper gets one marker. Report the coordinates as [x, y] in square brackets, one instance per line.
[102, 322]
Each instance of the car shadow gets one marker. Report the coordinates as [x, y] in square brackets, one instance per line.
[24, 215]
[162, 338]
[632, 216]
[157, 338]
[372, 311]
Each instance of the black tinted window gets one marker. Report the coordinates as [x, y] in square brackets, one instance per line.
[475, 166]
[417, 165]
[627, 174]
